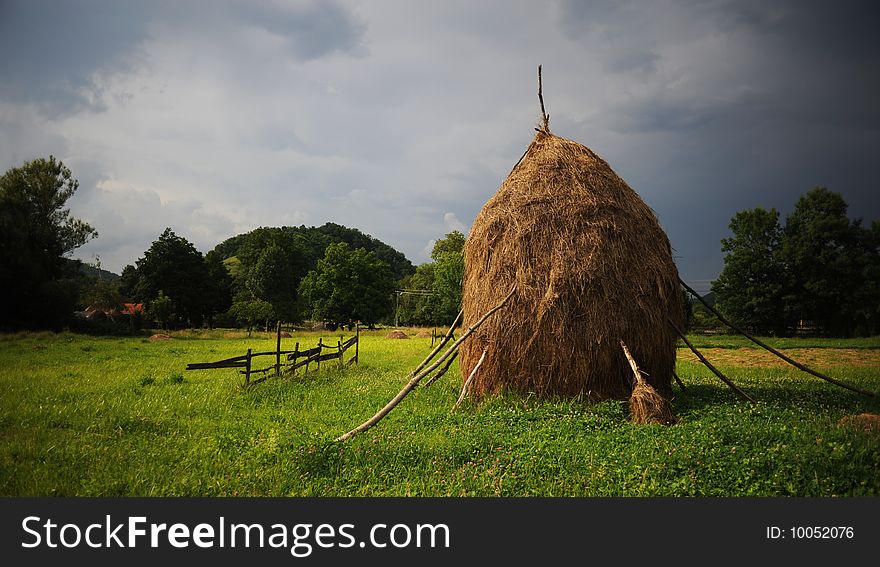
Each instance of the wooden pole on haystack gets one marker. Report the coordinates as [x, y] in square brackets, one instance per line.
[545, 118]
[418, 373]
[772, 350]
[645, 404]
[467, 383]
[708, 364]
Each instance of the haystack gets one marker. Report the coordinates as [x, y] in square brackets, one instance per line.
[396, 335]
[591, 266]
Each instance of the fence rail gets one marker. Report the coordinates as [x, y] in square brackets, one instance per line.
[296, 358]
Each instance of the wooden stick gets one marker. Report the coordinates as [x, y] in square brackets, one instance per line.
[545, 118]
[443, 370]
[464, 388]
[632, 363]
[415, 379]
[446, 338]
[708, 364]
[791, 361]
[678, 380]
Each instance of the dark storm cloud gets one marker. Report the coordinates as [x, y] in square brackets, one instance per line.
[402, 118]
[746, 103]
[50, 52]
[310, 31]
[53, 51]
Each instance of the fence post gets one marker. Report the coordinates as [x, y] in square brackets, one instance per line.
[339, 345]
[357, 342]
[295, 356]
[278, 349]
[247, 369]
[320, 352]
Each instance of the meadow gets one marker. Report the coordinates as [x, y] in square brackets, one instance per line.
[102, 416]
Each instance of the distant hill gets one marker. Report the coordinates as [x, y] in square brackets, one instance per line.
[315, 240]
[94, 273]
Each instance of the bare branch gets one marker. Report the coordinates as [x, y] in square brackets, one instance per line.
[415, 379]
[464, 388]
[545, 118]
[791, 361]
[708, 364]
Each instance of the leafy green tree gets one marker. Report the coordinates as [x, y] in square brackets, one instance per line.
[448, 256]
[828, 256]
[104, 294]
[419, 309]
[218, 294]
[161, 310]
[754, 282]
[448, 274]
[452, 242]
[174, 265]
[36, 234]
[249, 311]
[348, 285]
[820, 269]
[274, 278]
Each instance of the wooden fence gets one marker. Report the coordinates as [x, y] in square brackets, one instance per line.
[293, 359]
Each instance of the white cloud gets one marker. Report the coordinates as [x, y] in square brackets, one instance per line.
[452, 223]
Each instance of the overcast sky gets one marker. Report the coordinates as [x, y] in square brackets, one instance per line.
[402, 118]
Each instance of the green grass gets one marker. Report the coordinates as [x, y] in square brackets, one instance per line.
[120, 416]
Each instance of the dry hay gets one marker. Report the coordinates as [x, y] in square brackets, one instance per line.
[424, 334]
[647, 406]
[396, 335]
[864, 422]
[591, 266]
[285, 335]
[160, 337]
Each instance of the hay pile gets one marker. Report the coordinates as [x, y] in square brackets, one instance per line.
[592, 267]
[396, 335]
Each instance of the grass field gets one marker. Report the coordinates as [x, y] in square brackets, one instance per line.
[83, 415]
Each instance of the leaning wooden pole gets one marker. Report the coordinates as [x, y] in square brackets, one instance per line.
[417, 377]
[441, 372]
[708, 364]
[769, 348]
[467, 383]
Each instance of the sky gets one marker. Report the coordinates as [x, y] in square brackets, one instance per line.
[402, 118]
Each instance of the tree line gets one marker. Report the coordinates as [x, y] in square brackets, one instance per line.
[818, 272]
[330, 273]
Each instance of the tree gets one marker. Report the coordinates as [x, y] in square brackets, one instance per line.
[161, 309]
[452, 242]
[174, 265]
[752, 287]
[36, 234]
[419, 309]
[820, 269]
[828, 256]
[218, 294]
[249, 311]
[448, 256]
[348, 285]
[273, 278]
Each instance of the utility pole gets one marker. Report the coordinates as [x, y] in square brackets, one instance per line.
[399, 292]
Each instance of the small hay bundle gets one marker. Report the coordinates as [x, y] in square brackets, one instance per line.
[592, 267]
[396, 335]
